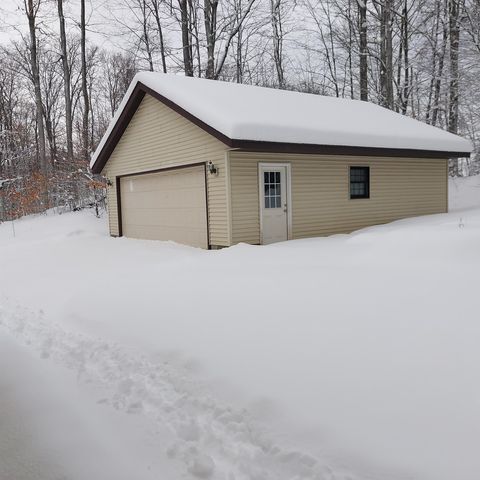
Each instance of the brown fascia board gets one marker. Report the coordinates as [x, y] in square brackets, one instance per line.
[305, 148]
[252, 145]
[118, 129]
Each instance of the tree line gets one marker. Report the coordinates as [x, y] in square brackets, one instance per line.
[68, 63]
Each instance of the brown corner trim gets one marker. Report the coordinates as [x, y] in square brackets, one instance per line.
[161, 170]
[119, 207]
[206, 206]
[140, 90]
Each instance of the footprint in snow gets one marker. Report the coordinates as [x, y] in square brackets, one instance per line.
[202, 466]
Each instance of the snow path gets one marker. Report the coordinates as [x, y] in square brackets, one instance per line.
[50, 431]
[211, 440]
[16, 435]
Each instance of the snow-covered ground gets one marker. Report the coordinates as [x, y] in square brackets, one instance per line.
[349, 357]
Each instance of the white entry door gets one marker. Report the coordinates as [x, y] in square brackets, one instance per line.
[274, 203]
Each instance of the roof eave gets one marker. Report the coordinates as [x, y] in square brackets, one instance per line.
[141, 89]
[282, 147]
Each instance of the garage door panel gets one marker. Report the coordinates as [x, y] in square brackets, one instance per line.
[179, 217]
[166, 206]
[191, 198]
[186, 236]
[168, 181]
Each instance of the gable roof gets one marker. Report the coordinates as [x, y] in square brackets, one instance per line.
[267, 119]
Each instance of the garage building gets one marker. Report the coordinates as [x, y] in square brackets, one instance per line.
[211, 164]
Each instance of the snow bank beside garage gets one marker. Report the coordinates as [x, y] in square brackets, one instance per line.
[464, 193]
[354, 356]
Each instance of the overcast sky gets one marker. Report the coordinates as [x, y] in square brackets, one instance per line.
[13, 19]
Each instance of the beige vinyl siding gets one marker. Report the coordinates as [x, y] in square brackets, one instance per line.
[399, 188]
[158, 137]
[244, 198]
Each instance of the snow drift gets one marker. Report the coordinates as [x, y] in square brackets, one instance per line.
[354, 356]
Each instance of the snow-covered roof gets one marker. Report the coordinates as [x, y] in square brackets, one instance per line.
[251, 113]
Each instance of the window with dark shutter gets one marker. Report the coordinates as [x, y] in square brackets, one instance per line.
[359, 182]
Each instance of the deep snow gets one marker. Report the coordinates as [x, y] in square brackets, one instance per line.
[348, 357]
[247, 112]
[50, 429]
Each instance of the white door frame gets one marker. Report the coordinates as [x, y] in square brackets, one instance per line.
[288, 182]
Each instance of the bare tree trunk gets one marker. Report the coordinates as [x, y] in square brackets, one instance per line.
[434, 61]
[194, 34]
[441, 63]
[210, 14]
[351, 36]
[66, 82]
[386, 54]
[403, 88]
[406, 62]
[239, 51]
[333, 61]
[233, 32]
[186, 44]
[31, 9]
[146, 35]
[362, 20]
[454, 8]
[454, 11]
[49, 131]
[156, 14]
[86, 102]
[276, 15]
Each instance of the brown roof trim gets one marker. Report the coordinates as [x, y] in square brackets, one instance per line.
[141, 89]
[119, 128]
[282, 147]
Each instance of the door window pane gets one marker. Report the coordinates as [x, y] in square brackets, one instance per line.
[272, 189]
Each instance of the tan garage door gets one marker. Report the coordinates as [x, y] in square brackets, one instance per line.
[167, 205]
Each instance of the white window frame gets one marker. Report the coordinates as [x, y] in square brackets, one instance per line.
[288, 182]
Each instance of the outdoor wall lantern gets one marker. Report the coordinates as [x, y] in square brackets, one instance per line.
[212, 168]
